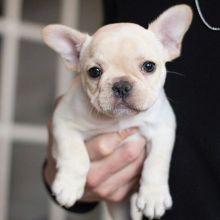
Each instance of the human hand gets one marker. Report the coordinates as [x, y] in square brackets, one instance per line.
[115, 169]
[115, 166]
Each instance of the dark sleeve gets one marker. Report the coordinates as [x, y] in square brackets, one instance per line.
[79, 207]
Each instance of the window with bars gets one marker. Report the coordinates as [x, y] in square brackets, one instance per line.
[31, 76]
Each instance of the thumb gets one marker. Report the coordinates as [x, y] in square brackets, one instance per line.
[104, 144]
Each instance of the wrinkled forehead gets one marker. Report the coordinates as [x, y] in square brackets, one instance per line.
[126, 40]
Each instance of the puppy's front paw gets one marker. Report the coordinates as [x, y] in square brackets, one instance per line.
[68, 188]
[153, 201]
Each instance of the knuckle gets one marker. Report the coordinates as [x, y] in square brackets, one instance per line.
[99, 143]
[130, 153]
[142, 142]
[103, 192]
[141, 158]
[122, 134]
[92, 181]
[130, 175]
[139, 144]
[117, 197]
[101, 147]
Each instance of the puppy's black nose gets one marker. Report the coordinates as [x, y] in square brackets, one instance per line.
[121, 89]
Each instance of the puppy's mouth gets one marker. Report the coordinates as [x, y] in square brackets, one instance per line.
[124, 105]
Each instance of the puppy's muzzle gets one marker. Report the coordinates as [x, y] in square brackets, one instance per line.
[121, 89]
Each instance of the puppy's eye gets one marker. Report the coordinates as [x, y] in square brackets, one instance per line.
[149, 67]
[95, 72]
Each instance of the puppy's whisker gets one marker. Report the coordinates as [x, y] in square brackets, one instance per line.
[172, 100]
[91, 110]
[176, 73]
[96, 113]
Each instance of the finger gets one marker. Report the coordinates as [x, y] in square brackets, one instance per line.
[119, 179]
[123, 192]
[103, 145]
[122, 177]
[116, 181]
[91, 196]
[102, 170]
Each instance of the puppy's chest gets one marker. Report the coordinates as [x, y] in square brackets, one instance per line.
[114, 126]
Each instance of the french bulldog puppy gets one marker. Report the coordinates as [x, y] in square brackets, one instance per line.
[120, 85]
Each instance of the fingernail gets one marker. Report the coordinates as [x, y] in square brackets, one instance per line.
[127, 132]
[131, 130]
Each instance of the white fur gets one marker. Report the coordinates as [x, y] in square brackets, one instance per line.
[157, 125]
[73, 122]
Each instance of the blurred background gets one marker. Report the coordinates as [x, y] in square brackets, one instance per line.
[31, 76]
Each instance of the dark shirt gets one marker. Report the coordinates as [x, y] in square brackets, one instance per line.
[195, 97]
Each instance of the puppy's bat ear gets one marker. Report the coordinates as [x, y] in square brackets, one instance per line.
[65, 41]
[170, 28]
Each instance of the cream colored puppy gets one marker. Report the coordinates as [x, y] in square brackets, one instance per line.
[120, 85]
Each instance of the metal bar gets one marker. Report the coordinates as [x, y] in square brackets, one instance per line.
[29, 133]
[5, 158]
[26, 30]
[69, 16]
[8, 87]
[24, 132]
[13, 9]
